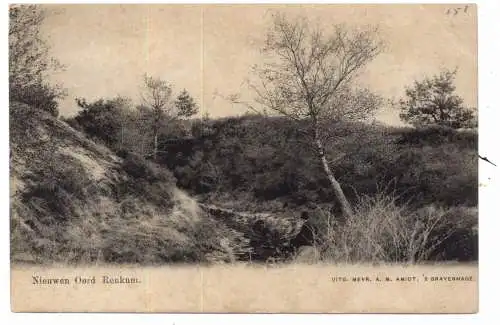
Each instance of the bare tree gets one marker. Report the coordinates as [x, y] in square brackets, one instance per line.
[157, 95]
[307, 75]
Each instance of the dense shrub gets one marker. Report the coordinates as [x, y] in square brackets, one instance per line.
[437, 135]
[39, 96]
[101, 120]
[384, 231]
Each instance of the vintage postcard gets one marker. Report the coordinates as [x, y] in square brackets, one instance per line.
[244, 158]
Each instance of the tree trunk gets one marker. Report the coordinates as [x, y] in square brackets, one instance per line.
[156, 129]
[155, 145]
[337, 189]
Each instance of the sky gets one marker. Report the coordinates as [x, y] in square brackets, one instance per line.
[208, 49]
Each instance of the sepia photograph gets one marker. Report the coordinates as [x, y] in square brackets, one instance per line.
[256, 158]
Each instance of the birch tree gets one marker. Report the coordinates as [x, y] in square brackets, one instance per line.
[307, 74]
[157, 96]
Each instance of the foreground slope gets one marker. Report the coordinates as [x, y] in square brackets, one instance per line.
[73, 201]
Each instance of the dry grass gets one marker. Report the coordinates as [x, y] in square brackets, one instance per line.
[385, 231]
[101, 233]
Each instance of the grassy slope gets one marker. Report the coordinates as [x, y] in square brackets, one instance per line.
[73, 201]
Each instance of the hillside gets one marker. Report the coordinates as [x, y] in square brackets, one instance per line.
[268, 159]
[73, 201]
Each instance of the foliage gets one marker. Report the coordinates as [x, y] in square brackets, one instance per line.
[116, 124]
[74, 202]
[41, 96]
[128, 209]
[103, 119]
[433, 101]
[30, 61]
[145, 179]
[157, 95]
[186, 105]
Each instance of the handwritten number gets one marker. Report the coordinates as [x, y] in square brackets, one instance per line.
[455, 11]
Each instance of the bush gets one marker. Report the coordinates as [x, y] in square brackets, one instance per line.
[101, 120]
[150, 236]
[42, 97]
[141, 169]
[383, 231]
[144, 180]
[73, 202]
